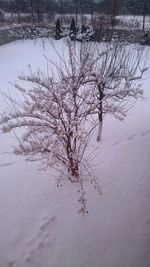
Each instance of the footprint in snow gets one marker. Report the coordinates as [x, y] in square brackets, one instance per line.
[44, 236]
[6, 164]
[131, 137]
[117, 143]
[145, 133]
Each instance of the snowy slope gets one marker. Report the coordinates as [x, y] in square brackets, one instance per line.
[39, 223]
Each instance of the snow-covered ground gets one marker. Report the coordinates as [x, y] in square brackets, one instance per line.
[39, 223]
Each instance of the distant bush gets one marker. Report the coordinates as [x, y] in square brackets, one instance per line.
[85, 33]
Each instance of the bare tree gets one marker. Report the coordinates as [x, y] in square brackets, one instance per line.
[115, 72]
[101, 22]
[58, 111]
[55, 115]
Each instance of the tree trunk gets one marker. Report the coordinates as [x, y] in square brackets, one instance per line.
[61, 13]
[18, 10]
[100, 112]
[32, 11]
[76, 7]
[100, 124]
[92, 14]
[38, 10]
[144, 23]
[82, 16]
[144, 14]
[114, 12]
[74, 171]
[81, 51]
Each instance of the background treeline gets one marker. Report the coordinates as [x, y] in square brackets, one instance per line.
[134, 7]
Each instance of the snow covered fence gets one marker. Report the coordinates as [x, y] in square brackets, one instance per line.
[41, 31]
[32, 32]
[133, 36]
[25, 32]
[5, 36]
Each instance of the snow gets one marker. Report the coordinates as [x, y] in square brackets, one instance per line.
[39, 223]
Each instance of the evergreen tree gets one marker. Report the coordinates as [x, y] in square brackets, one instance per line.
[58, 30]
[146, 39]
[73, 26]
[83, 28]
[72, 32]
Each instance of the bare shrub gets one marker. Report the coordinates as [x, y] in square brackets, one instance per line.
[58, 110]
[101, 21]
[55, 114]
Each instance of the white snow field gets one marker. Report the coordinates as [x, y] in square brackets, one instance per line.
[39, 223]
